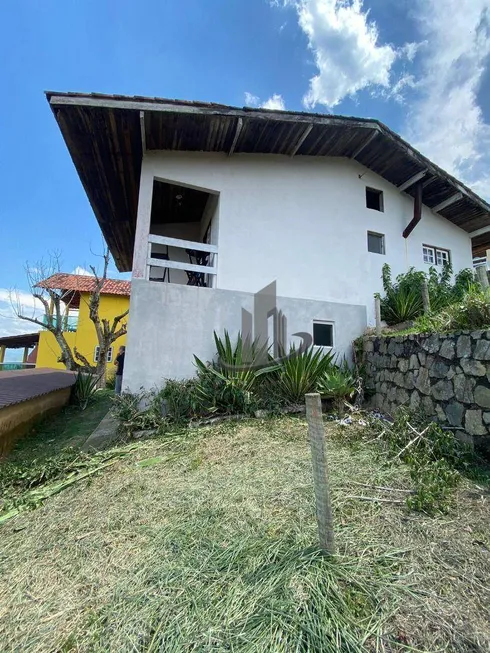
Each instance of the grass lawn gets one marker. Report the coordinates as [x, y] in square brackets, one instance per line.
[205, 541]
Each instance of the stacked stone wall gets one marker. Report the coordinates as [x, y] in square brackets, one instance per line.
[447, 376]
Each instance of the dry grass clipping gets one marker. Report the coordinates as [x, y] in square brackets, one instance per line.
[209, 548]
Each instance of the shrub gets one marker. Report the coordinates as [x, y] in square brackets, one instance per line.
[470, 312]
[338, 384]
[299, 373]
[403, 298]
[110, 383]
[434, 456]
[181, 400]
[128, 410]
[84, 388]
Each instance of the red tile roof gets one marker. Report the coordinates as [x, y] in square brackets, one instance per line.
[81, 283]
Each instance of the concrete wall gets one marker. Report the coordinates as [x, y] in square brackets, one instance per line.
[169, 323]
[16, 420]
[448, 377]
[301, 221]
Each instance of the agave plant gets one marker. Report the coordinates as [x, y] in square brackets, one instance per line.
[228, 384]
[85, 386]
[401, 305]
[299, 372]
[338, 383]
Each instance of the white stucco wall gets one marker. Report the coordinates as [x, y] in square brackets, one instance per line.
[303, 222]
[170, 323]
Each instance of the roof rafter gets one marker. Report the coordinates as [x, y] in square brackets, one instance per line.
[450, 200]
[143, 131]
[413, 180]
[479, 232]
[368, 140]
[301, 140]
[238, 130]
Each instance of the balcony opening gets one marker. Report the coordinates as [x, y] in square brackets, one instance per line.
[188, 215]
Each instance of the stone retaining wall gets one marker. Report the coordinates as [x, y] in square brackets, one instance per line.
[447, 376]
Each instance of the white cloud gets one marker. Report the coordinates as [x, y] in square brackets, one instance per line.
[10, 324]
[346, 49]
[251, 100]
[439, 90]
[274, 102]
[82, 271]
[445, 121]
[398, 90]
[409, 50]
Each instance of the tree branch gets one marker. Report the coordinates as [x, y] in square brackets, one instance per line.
[117, 334]
[34, 320]
[82, 358]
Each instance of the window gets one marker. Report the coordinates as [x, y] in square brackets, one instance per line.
[96, 354]
[374, 199]
[428, 255]
[435, 256]
[442, 257]
[323, 334]
[376, 243]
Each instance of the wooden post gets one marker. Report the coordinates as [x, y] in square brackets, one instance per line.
[377, 309]
[143, 222]
[481, 273]
[2, 353]
[26, 354]
[318, 457]
[425, 297]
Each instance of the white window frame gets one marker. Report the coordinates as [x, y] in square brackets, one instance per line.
[443, 256]
[330, 323]
[109, 354]
[438, 255]
[426, 252]
[383, 243]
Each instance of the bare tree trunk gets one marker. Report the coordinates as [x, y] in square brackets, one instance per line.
[51, 299]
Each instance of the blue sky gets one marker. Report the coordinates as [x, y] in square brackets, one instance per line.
[421, 66]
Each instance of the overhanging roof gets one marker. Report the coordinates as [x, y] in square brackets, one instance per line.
[106, 134]
[18, 341]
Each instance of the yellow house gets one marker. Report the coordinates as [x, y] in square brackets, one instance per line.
[78, 328]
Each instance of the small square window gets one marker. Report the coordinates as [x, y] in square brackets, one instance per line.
[322, 334]
[376, 243]
[374, 199]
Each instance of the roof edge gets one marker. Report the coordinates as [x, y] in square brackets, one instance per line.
[142, 103]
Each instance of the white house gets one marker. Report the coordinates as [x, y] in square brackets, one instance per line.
[234, 199]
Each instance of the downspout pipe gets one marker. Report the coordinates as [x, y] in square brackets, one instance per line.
[417, 211]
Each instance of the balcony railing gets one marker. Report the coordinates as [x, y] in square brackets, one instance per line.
[9, 367]
[68, 322]
[195, 271]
